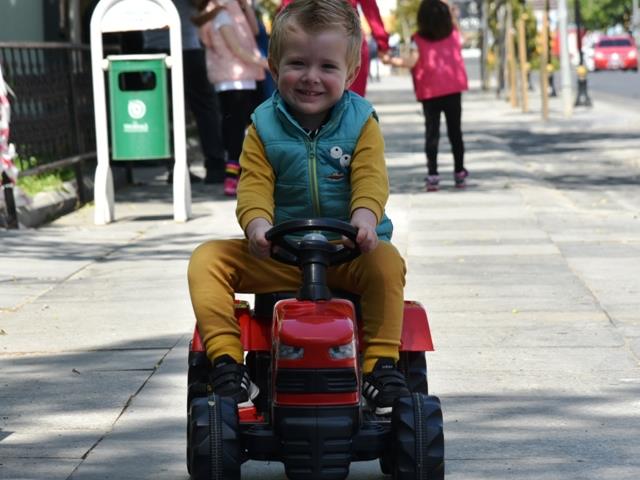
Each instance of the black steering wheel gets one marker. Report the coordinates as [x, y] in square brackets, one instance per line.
[296, 251]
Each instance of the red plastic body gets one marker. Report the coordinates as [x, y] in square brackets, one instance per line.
[416, 334]
[316, 327]
[256, 333]
[249, 415]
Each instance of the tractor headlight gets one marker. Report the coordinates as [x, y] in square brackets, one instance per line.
[289, 352]
[341, 352]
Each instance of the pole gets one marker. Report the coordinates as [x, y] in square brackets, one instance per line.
[565, 72]
[511, 57]
[582, 100]
[635, 19]
[502, 63]
[544, 61]
[484, 27]
[522, 56]
[9, 201]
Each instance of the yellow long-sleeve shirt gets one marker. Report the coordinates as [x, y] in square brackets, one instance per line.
[369, 178]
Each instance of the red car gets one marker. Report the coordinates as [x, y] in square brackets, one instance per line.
[615, 53]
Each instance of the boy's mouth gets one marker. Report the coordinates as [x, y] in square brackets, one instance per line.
[309, 93]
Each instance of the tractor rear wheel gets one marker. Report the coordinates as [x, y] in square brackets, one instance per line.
[386, 463]
[414, 367]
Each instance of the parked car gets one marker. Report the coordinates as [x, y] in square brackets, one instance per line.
[617, 52]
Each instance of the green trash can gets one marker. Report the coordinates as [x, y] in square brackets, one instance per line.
[139, 107]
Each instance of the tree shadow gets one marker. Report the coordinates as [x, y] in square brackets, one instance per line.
[121, 410]
[568, 150]
[55, 244]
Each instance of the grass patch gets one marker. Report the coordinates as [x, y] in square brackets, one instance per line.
[44, 182]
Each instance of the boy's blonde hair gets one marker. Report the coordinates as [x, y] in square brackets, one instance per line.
[316, 16]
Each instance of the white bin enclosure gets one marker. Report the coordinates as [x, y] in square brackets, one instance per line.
[112, 16]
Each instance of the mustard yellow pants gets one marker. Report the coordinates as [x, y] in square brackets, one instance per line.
[220, 268]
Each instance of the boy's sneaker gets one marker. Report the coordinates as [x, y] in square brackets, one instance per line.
[383, 385]
[432, 183]
[230, 186]
[231, 379]
[459, 178]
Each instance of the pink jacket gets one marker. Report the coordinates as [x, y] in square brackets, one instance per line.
[440, 69]
[222, 64]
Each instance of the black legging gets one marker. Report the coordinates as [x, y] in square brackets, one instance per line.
[203, 102]
[236, 106]
[451, 105]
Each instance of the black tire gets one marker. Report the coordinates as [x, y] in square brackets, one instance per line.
[414, 367]
[214, 443]
[197, 376]
[418, 438]
[197, 379]
[188, 440]
[386, 463]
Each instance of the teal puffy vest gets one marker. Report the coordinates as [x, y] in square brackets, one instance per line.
[313, 174]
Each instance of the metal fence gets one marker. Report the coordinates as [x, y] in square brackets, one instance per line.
[52, 113]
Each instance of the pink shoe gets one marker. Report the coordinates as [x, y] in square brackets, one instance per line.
[232, 169]
[459, 178]
[433, 182]
[231, 186]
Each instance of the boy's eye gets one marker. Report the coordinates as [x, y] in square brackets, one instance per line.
[329, 66]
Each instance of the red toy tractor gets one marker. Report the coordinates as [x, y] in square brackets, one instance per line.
[303, 353]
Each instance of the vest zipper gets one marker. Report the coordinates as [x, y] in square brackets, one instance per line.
[313, 178]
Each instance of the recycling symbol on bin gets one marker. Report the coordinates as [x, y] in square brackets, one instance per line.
[137, 109]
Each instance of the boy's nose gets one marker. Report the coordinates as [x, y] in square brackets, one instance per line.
[312, 75]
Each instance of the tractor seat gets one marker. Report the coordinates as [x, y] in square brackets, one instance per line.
[264, 302]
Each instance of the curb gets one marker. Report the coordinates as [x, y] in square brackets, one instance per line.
[47, 206]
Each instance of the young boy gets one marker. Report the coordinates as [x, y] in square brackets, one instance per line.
[313, 150]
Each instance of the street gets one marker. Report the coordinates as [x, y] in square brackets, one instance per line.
[530, 279]
[623, 85]
[616, 86]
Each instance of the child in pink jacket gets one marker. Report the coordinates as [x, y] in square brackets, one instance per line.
[234, 65]
[439, 78]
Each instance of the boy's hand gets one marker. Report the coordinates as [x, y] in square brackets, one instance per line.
[259, 246]
[365, 221]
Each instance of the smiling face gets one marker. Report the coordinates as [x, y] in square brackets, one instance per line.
[312, 73]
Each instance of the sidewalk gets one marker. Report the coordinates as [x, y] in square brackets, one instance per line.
[530, 277]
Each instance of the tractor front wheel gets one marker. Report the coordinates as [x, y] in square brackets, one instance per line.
[214, 443]
[418, 438]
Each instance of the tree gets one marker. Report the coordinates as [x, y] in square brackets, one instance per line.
[601, 14]
[406, 15]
